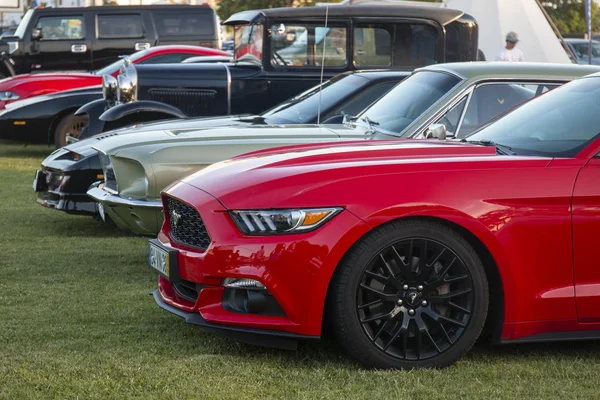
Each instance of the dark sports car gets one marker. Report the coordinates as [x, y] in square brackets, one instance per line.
[68, 172]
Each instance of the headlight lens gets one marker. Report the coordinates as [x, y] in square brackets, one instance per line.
[109, 88]
[8, 96]
[280, 222]
[110, 180]
[127, 85]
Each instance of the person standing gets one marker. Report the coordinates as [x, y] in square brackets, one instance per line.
[510, 52]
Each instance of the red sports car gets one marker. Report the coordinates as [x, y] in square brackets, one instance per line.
[406, 250]
[29, 85]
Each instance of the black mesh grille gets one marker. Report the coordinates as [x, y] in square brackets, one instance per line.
[192, 102]
[186, 225]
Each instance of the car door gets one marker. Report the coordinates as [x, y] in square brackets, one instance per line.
[586, 225]
[59, 42]
[485, 101]
[120, 34]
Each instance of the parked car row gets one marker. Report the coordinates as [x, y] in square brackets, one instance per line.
[390, 193]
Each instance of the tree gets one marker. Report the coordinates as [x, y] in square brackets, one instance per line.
[569, 15]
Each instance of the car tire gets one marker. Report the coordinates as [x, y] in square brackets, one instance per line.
[382, 283]
[69, 124]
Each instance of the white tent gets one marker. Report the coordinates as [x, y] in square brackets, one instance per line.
[498, 17]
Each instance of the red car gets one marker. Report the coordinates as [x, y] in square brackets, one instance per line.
[406, 250]
[29, 85]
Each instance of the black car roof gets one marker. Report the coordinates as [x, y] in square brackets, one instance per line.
[442, 16]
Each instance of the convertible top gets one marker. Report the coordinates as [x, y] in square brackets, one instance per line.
[442, 16]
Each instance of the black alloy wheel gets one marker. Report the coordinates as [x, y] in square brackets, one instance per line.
[411, 294]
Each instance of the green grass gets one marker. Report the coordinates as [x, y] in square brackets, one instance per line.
[76, 321]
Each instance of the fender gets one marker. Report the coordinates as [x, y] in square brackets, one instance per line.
[93, 110]
[7, 66]
[39, 115]
[161, 110]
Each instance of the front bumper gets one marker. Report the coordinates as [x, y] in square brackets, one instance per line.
[295, 269]
[143, 217]
[259, 337]
[66, 191]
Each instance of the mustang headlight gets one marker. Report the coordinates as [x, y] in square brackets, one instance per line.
[8, 96]
[109, 89]
[281, 222]
[110, 179]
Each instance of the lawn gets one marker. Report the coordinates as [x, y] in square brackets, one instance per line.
[76, 321]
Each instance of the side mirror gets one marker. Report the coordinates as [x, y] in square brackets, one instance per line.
[36, 34]
[335, 119]
[436, 131]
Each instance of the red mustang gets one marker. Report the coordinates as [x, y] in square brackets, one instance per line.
[29, 85]
[404, 249]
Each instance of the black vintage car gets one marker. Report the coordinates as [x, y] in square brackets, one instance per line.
[300, 50]
[67, 173]
[301, 46]
[88, 38]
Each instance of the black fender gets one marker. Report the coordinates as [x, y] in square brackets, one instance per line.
[93, 110]
[7, 67]
[146, 110]
[41, 114]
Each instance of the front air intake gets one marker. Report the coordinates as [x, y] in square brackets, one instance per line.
[186, 224]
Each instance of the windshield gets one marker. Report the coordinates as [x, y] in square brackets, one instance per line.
[304, 108]
[248, 42]
[560, 123]
[406, 102]
[20, 32]
[581, 49]
[114, 67]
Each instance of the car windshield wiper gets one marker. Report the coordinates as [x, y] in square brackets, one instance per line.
[370, 123]
[502, 149]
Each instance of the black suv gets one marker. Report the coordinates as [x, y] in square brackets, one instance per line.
[86, 38]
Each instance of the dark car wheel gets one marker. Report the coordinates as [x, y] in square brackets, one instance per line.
[69, 125]
[410, 294]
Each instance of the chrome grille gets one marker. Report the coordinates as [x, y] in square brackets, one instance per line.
[193, 102]
[186, 225]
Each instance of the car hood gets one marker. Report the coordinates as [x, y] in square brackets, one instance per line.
[28, 78]
[274, 178]
[210, 135]
[48, 97]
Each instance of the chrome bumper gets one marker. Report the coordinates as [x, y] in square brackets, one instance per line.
[103, 196]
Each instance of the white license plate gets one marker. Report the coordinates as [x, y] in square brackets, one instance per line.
[158, 259]
[101, 212]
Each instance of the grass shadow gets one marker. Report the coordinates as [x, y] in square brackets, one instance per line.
[22, 150]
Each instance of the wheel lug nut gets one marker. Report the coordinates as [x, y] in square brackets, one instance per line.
[424, 303]
[411, 311]
[399, 302]
[405, 287]
[420, 287]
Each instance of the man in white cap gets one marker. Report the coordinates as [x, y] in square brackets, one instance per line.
[510, 52]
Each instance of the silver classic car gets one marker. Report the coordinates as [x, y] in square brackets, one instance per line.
[445, 100]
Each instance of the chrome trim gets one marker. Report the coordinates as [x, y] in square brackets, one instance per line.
[463, 113]
[228, 88]
[102, 196]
